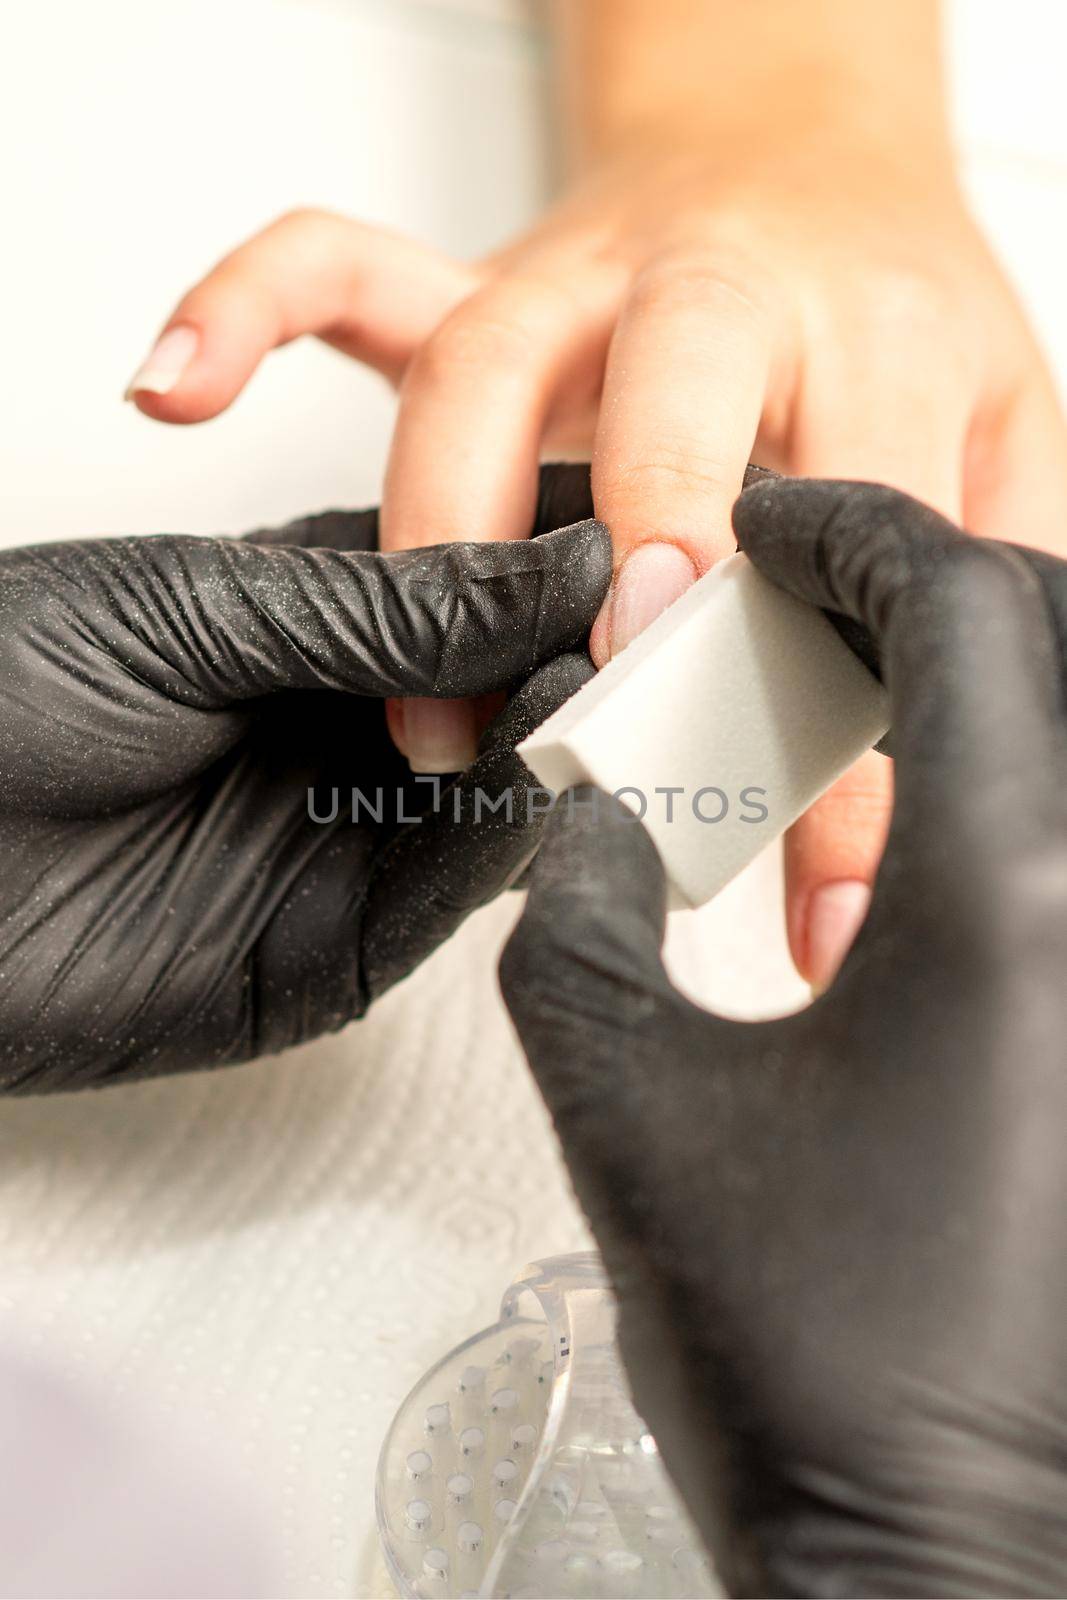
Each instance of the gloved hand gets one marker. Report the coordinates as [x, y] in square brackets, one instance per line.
[839, 1239]
[167, 898]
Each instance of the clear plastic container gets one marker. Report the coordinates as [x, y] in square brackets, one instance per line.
[519, 1467]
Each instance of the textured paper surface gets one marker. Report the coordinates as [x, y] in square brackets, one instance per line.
[272, 1255]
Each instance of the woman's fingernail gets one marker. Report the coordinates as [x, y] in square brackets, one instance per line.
[648, 581]
[835, 916]
[441, 735]
[163, 367]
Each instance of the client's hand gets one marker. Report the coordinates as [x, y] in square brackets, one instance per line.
[839, 1240]
[183, 722]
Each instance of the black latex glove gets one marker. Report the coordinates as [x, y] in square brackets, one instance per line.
[166, 900]
[839, 1240]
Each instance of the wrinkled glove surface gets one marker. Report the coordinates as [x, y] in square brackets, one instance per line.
[167, 898]
[839, 1239]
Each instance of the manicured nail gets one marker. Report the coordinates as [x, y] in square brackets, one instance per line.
[648, 582]
[835, 915]
[441, 735]
[163, 367]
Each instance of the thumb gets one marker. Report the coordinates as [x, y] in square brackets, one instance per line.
[583, 975]
[224, 621]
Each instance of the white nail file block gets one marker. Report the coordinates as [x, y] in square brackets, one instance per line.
[741, 697]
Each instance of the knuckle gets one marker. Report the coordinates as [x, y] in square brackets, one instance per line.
[973, 578]
[534, 301]
[472, 340]
[1013, 925]
[666, 479]
[682, 280]
[254, 275]
[302, 221]
[905, 295]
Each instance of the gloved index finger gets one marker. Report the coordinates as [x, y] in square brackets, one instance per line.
[967, 647]
[238, 620]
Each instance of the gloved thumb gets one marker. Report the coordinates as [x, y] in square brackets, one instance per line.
[583, 975]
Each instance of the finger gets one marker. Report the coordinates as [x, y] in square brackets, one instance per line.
[831, 858]
[372, 294]
[231, 621]
[582, 975]
[473, 408]
[967, 650]
[358, 530]
[1016, 478]
[683, 392]
[880, 416]
[563, 498]
[477, 838]
[909, 431]
[464, 457]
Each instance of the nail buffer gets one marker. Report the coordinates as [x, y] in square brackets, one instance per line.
[718, 726]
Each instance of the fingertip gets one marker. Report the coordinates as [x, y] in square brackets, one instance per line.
[835, 914]
[548, 688]
[209, 349]
[588, 574]
[832, 854]
[770, 506]
[165, 365]
[807, 508]
[179, 409]
[578, 567]
[183, 379]
[600, 861]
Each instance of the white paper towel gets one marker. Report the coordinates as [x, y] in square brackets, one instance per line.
[274, 1254]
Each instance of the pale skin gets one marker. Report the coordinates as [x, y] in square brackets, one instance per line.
[763, 253]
